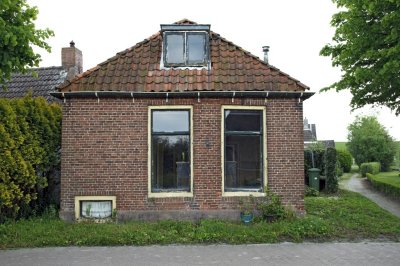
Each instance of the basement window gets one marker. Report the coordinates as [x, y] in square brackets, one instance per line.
[185, 49]
[94, 207]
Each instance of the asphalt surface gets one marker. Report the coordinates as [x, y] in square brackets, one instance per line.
[342, 254]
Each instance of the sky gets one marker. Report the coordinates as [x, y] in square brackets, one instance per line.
[295, 31]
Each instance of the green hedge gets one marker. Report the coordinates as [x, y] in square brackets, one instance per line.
[330, 170]
[384, 187]
[372, 168]
[345, 159]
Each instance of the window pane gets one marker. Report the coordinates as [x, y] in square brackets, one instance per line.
[174, 49]
[243, 162]
[196, 48]
[96, 209]
[243, 120]
[170, 121]
[170, 163]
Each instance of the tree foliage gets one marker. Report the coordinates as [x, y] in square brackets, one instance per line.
[366, 45]
[29, 149]
[18, 35]
[368, 141]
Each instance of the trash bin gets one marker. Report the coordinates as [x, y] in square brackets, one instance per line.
[313, 178]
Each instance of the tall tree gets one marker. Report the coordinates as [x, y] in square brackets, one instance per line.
[368, 141]
[366, 46]
[18, 35]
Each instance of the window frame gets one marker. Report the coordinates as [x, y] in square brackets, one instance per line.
[78, 205]
[255, 192]
[168, 194]
[186, 63]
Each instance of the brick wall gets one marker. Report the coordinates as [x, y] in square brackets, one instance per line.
[104, 152]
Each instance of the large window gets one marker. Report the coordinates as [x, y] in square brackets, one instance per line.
[185, 49]
[243, 155]
[170, 150]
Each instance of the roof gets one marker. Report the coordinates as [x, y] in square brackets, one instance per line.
[137, 69]
[308, 135]
[48, 78]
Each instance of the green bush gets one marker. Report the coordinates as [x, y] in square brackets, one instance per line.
[29, 150]
[270, 207]
[330, 171]
[372, 168]
[345, 159]
[384, 187]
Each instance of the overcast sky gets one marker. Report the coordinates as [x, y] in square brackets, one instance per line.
[295, 31]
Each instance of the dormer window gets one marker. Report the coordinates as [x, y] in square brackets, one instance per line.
[185, 45]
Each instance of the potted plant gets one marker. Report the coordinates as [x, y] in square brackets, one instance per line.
[247, 207]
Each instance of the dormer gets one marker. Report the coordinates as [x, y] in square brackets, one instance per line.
[185, 46]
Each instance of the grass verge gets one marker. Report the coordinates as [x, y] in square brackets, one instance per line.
[387, 182]
[345, 216]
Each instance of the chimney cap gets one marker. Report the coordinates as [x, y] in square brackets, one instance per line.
[265, 48]
[72, 44]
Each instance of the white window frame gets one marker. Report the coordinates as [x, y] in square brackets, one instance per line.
[264, 139]
[78, 200]
[149, 148]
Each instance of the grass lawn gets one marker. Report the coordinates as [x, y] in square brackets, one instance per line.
[390, 178]
[345, 216]
[341, 145]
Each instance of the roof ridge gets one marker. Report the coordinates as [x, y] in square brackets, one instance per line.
[185, 21]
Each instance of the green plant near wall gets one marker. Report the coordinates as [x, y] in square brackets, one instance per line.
[330, 171]
[270, 207]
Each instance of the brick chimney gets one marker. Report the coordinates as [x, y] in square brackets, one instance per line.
[71, 59]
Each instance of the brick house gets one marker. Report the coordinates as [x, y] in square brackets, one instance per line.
[180, 126]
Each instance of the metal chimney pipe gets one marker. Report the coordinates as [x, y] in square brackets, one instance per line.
[265, 50]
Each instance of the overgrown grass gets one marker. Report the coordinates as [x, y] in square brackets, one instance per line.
[345, 216]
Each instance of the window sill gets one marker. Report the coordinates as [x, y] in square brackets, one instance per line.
[243, 194]
[176, 194]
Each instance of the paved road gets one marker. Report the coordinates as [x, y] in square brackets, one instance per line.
[363, 254]
[361, 186]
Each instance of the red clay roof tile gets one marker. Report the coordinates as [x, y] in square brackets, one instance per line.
[138, 69]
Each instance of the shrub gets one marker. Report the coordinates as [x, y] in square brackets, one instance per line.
[345, 159]
[372, 168]
[311, 192]
[270, 207]
[339, 169]
[330, 170]
[384, 187]
[29, 151]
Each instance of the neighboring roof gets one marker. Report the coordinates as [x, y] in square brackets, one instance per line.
[137, 69]
[308, 135]
[48, 78]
